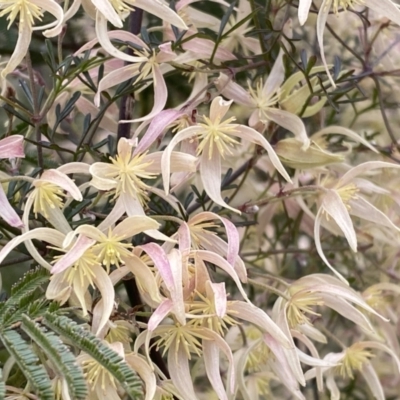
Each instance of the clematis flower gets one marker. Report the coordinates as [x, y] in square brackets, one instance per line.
[149, 63]
[353, 359]
[217, 137]
[341, 198]
[386, 8]
[28, 12]
[10, 147]
[117, 11]
[125, 174]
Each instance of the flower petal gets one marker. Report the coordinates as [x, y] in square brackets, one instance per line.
[12, 146]
[7, 212]
[303, 10]
[210, 173]
[334, 206]
[139, 365]
[250, 134]
[60, 179]
[106, 289]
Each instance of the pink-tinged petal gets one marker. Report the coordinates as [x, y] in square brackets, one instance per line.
[7, 212]
[233, 241]
[250, 313]
[133, 208]
[346, 294]
[372, 380]
[105, 42]
[219, 107]
[145, 372]
[58, 289]
[334, 206]
[291, 122]
[74, 168]
[210, 173]
[56, 10]
[131, 226]
[179, 162]
[219, 261]
[317, 239]
[116, 213]
[211, 363]
[363, 209]
[57, 219]
[364, 168]
[275, 78]
[73, 255]
[159, 314]
[166, 157]
[98, 171]
[161, 262]
[250, 134]
[178, 366]
[386, 8]
[217, 292]
[107, 11]
[233, 91]
[157, 126]
[303, 10]
[89, 231]
[114, 78]
[321, 23]
[161, 10]
[203, 48]
[12, 146]
[175, 261]
[160, 96]
[280, 365]
[184, 238]
[106, 289]
[47, 235]
[314, 352]
[342, 307]
[60, 179]
[21, 48]
[339, 130]
[332, 387]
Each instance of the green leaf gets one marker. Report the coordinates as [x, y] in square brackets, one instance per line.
[59, 355]
[27, 360]
[93, 346]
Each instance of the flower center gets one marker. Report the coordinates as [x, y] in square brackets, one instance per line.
[216, 134]
[299, 305]
[129, 172]
[338, 5]
[187, 336]
[121, 7]
[111, 250]
[347, 193]
[261, 101]
[96, 375]
[27, 11]
[81, 272]
[354, 359]
[201, 235]
[47, 195]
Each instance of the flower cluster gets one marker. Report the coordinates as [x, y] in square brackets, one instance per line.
[218, 209]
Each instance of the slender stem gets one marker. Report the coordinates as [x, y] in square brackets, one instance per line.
[36, 118]
[126, 106]
[268, 287]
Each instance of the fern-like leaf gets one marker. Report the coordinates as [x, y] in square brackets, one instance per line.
[100, 352]
[28, 363]
[60, 356]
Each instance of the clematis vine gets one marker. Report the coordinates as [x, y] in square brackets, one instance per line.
[216, 139]
[385, 8]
